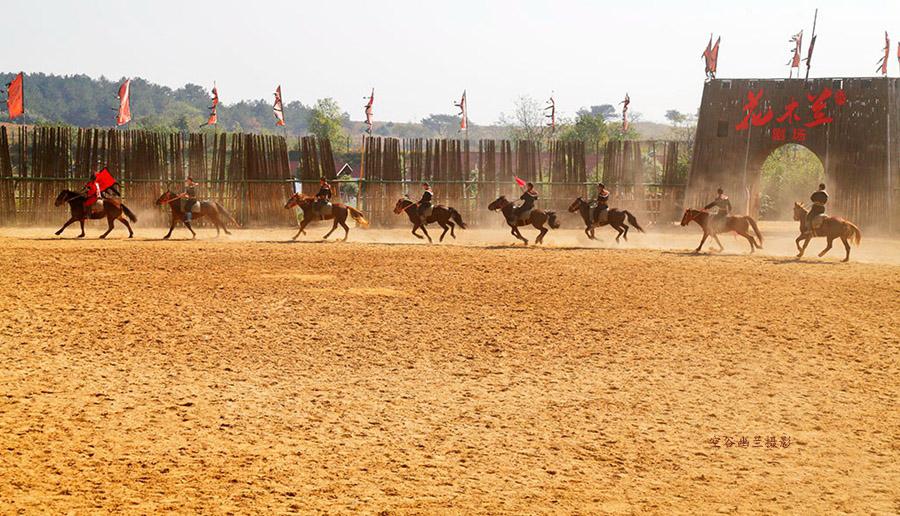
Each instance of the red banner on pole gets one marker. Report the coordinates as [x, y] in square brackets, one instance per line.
[15, 100]
[463, 112]
[278, 108]
[124, 115]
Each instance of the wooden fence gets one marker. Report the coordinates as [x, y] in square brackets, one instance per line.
[252, 177]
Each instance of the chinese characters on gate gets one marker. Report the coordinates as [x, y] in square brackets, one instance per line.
[791, 126]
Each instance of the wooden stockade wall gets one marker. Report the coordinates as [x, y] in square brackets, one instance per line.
[249, 174]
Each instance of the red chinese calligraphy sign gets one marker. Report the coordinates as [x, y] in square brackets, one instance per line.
[757, 115]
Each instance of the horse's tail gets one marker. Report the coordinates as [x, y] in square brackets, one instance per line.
[358, 217]
[225, 213]
[128, 213]
[551, 220]
[755, 230]
[457, 218]
[633, 221]
[855, 233]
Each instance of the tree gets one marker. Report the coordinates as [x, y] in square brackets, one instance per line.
[607, 111]
[526, 121]
[442, 126]
[590, 126]
[326, 121]
[676, 117]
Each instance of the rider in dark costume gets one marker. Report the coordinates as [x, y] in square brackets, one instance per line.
[602, 201]
[529, 196]
[819, 199]
[190, 196]
[323, 197]
[722, 203]
[425, 201]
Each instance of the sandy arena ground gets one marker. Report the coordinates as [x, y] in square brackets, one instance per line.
[246, 374]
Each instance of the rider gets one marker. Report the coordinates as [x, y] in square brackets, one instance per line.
[529, 196]
[323, 197]
[602, 201]
[190, 195]
[425, 201]
[722, 203]
[819, 198]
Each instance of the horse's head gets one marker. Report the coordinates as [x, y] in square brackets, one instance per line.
[576, 205]
[63, 196]
[689, 215]
[800, 211]
[166, 197]
[498, 204]
[293, 201]
[402, 204]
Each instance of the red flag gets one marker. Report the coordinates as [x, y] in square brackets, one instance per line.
[797, 40]
[519, 181]
[883, 63]
[213, 116]
[809, 52]
[15, 100]
[124, 115]
[278, 108]
[711, 57]
[369, 111]
[898, 51]
[463, 112]
[101, 181]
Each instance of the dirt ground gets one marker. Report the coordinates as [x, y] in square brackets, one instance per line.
[248, 374]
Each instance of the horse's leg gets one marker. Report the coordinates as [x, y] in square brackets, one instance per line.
[588, 231]
[827, 247]
[716, 238]
[123, 220]
[847, 247]
[446, 228]
[109, 221]
[452, 225]
[540, 237]
[333, 227]
[625, 234]
[426, 234]
[303, 224]
[702, 241]
[64, 226]
[619, 229]
[346, 229]
[749, 239]
[805, 243]
[188, 225]
[415, 227]
[82, 228]
[799, 238]
[515, 232]
[171, 228]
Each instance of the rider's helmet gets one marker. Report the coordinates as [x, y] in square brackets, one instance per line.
[720, 191]
[821, 186]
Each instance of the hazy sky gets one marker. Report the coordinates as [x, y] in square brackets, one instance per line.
[420, 55]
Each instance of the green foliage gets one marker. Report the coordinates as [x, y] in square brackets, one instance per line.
[325, 120]
[441, 126]
[791, 173]
[589, 126]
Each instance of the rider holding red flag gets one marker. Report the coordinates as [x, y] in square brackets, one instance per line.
[95, 188]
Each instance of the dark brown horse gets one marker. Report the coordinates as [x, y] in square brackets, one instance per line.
[832, 227]
[537, 218]
[338, 213]
[215, 212]
[740, 224]
[444, 216]
[614, 217]
[111, 209]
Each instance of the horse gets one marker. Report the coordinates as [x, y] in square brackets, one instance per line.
[214, 211]
[444, 216]
[536, 218]
[339, 213]
[740, 224]
[832, 227]
[614, 218]
[112, 210]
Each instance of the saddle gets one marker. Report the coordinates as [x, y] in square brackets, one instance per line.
[522, 217]
[196, 207]
[601, 217]
[428, 211]
[817, 221]
[323, 209]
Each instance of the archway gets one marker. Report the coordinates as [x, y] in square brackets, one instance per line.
[790, 173]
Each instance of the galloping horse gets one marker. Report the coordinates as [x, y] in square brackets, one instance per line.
[614, 217]
[740, 224]
[832, 227]
[214, 211]
[112, 210]
[339, 213]
[536, 218]
[439, 213]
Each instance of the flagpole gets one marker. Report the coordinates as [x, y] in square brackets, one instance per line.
[812, 40]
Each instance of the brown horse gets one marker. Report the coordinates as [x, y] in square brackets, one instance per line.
[832, 227]
[111, 209]
[537, 218]
[614, 217]
[338, 213]
[212, 210]
[740, 224]
[439, 213]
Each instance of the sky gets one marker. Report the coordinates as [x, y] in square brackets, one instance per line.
[420, 55]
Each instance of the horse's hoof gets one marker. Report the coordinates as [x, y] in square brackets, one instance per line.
[845, 260]
[131, 236]
[102, 237]
[58, 233]
[81, 235]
